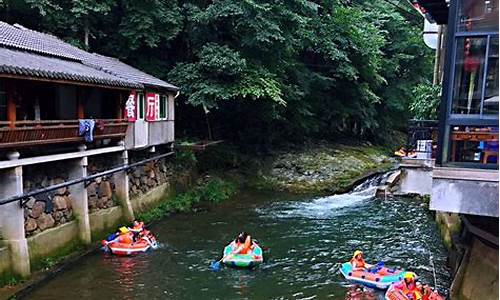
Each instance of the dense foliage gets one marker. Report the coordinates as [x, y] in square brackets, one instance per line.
[425, 103]
[265, 71]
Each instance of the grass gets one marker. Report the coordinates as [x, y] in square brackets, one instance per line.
[215, 190]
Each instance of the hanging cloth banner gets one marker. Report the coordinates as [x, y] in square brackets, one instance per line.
[152, 107]
[131, 107]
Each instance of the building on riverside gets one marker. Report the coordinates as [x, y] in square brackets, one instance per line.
[66, 114]
[463, 183]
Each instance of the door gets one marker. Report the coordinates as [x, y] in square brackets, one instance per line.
[141, 125]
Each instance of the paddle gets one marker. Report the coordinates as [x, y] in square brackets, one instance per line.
[216, 265]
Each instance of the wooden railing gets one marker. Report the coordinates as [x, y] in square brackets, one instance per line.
[31, 133]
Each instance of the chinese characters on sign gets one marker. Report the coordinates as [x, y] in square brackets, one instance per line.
[152, 106]
[130, 108]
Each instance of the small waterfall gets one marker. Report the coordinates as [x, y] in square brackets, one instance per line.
[326, 207]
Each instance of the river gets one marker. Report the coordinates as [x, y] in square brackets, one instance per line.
[303, 239]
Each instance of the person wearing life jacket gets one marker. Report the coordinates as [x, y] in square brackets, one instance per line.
[137, 228]
[358, 263]
[125, 237]
[243, 244]
[408, 287]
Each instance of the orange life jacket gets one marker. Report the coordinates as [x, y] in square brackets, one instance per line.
[247, 246]
[126, 238]
[138, 227]
[358, 263]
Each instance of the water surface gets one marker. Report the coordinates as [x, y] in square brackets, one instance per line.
[304, 240]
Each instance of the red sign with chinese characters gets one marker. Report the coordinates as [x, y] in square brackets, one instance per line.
[131, 107]
[152, 106]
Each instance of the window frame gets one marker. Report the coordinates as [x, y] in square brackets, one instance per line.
[141, 111]
[163, 97]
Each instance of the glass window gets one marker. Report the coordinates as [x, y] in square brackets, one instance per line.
[474, 144]
[478, 15]
[140, 96]
[163, 107]
[490, 104]
[469, 66]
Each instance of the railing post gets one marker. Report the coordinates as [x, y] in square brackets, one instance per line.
[78, 169]
[122, 188]
[12, 220]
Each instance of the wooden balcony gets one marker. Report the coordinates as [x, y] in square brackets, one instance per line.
[31, 133]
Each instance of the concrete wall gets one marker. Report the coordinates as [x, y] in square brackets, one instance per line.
[48, 242]
[152, 198]
[480, 279]
[4, 260]
[416, 180]
[105, 220]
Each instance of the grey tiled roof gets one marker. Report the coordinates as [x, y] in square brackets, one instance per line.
[66, 60]
[28, 64]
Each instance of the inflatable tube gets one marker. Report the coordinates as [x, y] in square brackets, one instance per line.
[381, 279]
[393, 294]
[249, 260]
[128, 249]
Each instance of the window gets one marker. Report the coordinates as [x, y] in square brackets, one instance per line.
[474, 144]
[469, 70]
[163, 107]
[140, 97]
[478, 15]
[490, 103]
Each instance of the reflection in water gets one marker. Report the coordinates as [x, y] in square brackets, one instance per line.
[303, 240]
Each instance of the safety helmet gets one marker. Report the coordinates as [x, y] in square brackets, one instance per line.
[357, 252]
[123, 229]
[409, 275]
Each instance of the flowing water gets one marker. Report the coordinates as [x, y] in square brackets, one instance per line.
[304, 240]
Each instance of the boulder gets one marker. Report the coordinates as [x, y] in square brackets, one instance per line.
[60, 191]
[92, 189]
[69, 202]
[102, 202]
[152, 174]
[45, 221]
[92, 201]
[59, 203]
[105, 189]
[57, 216]
[68, 214]
[30, 202]
[38, 209]
[30, 224]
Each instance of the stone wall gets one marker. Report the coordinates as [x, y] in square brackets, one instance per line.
[149, 176]
[101, 192]
[50, 209]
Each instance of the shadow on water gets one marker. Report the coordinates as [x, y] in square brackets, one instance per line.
[304, 240]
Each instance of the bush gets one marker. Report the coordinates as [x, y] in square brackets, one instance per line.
[215, 190]
[425, 104]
